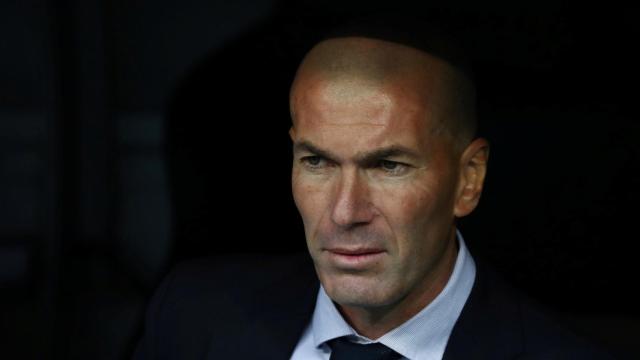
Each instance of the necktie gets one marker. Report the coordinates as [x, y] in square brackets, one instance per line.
[343, 349]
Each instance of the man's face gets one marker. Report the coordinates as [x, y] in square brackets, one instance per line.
[375, 186]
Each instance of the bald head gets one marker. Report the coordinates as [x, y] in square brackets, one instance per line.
[377, 64]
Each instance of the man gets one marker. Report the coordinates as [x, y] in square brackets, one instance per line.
[383, 163]
[385, 160]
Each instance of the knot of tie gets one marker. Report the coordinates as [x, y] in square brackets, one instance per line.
[343, 349]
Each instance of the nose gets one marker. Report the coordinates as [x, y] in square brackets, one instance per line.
[352, 205]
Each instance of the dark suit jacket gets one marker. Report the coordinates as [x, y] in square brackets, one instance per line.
[256, 307]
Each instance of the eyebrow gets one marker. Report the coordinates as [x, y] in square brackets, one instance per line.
[364, 158]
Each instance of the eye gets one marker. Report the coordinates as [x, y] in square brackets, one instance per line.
[389, 165]
[312, 161]
[392, 167]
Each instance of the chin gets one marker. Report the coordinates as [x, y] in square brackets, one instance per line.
[358, 291]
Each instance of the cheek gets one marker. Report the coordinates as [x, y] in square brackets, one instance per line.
[309, 199]
[413, 213]
[405, 206]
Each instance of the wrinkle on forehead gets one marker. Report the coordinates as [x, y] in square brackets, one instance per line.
[324, 103]
[353, 132]
[337, 99]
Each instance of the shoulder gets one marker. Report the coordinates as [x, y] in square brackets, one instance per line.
[499, 321]
[234, 286]
[214, 301]
[544, 337]
[240, 274]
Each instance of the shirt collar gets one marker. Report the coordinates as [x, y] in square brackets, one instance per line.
[425, 335]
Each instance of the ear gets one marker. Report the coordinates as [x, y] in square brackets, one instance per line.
[473, 168]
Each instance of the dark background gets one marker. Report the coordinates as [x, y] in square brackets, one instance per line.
[138, 133]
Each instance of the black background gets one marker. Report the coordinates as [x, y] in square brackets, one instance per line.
[135, 134]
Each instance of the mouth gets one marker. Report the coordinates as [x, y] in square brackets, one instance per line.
[355, 259]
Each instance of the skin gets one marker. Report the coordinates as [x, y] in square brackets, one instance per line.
[380, 224]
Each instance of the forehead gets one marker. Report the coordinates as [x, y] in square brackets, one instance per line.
[355, 113]
[352, 101]
[368, 86]
[348, 118]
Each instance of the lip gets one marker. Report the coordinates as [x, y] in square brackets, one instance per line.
[355, 259]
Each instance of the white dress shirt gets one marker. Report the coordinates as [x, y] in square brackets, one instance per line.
[423, 337]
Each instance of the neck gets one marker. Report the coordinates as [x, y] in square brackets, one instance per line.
[375, 322]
